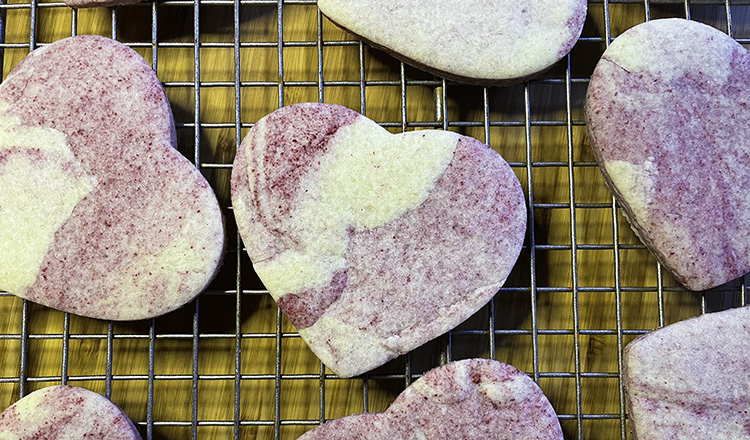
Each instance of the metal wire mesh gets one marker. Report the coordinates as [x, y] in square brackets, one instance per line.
[229, 365]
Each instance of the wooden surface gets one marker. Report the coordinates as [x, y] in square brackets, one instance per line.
[562, 316]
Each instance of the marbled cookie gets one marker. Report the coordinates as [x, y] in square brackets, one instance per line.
[691, 380]
[99, 214]
[474, 41]
[65, 413]
[98, 3]
[473, 399]
[668, 118]
[373, 243]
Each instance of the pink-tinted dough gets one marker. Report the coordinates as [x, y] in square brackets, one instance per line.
[97, 3]
[475, 399]
[690, 380]
[111, 107]
[405, 282]
[65, 413]
[670, 100]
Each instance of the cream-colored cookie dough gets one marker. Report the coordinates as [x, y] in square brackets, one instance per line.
[469, 40]
[364, 188]
[37, 163]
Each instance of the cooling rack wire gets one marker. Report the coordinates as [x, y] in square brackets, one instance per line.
[230, 365]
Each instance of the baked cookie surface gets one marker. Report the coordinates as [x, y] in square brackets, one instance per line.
[100, 215]
[98, 3]
[689, 379]
[474, 41]
[372, 243]
[473, 399]
[667, 114]
[65, 413]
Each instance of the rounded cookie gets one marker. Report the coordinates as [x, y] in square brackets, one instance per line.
[473, 399]
[667, 114]
[690, 379]
[100, 215]
[66, 413]
[474, 41]
[372, 243]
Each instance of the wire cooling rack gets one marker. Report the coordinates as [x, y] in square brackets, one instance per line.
[230, 365]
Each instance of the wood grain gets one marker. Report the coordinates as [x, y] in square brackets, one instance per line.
[562, 311]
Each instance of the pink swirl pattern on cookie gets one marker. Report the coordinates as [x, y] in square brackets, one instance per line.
[372, 243]
[688, 379]
[138, 231]
[667, 111]
[66, 413]
[473, 399]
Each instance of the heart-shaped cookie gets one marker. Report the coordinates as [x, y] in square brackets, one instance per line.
[474, 41]
[99, 214]
[690, 380]
[65, 413]
[473, 399]
[667, 113]
[373, 243]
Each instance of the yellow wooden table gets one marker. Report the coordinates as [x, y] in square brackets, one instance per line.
[229, 365]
